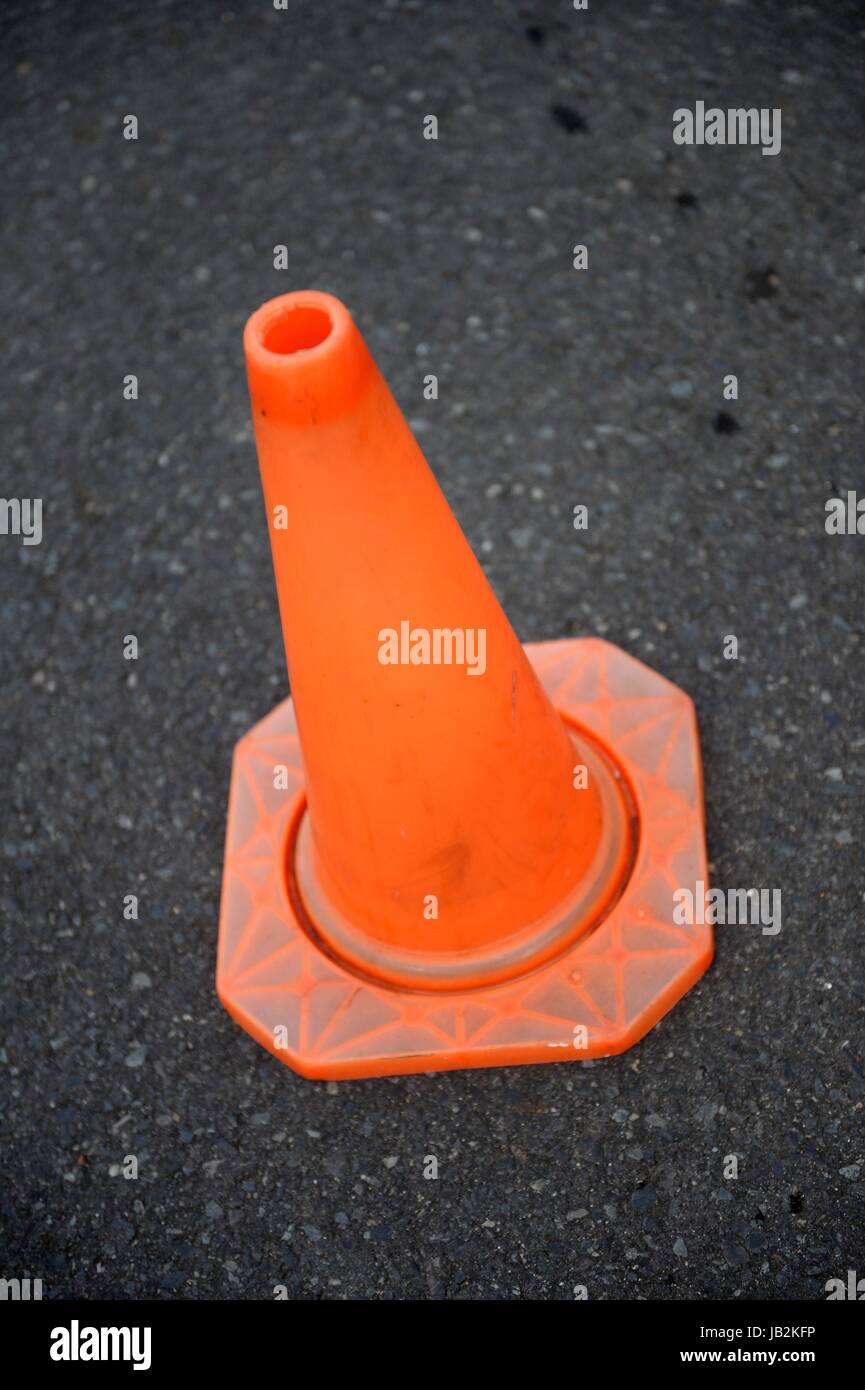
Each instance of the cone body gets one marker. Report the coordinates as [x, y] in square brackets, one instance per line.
[442, 810]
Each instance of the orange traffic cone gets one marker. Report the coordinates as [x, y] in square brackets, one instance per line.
[445, 850]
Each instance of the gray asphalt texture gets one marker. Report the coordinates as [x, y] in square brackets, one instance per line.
[259, 127]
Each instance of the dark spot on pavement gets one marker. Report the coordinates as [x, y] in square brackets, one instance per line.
[569, 119]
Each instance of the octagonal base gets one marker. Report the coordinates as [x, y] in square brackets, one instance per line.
[594, 999]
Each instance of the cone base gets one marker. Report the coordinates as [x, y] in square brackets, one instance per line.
[592, 994]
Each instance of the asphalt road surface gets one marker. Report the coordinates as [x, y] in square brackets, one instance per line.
[259, 127]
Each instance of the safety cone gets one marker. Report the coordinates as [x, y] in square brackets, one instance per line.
[445, 849]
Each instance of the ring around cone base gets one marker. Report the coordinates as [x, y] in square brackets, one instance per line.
[430, 968]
